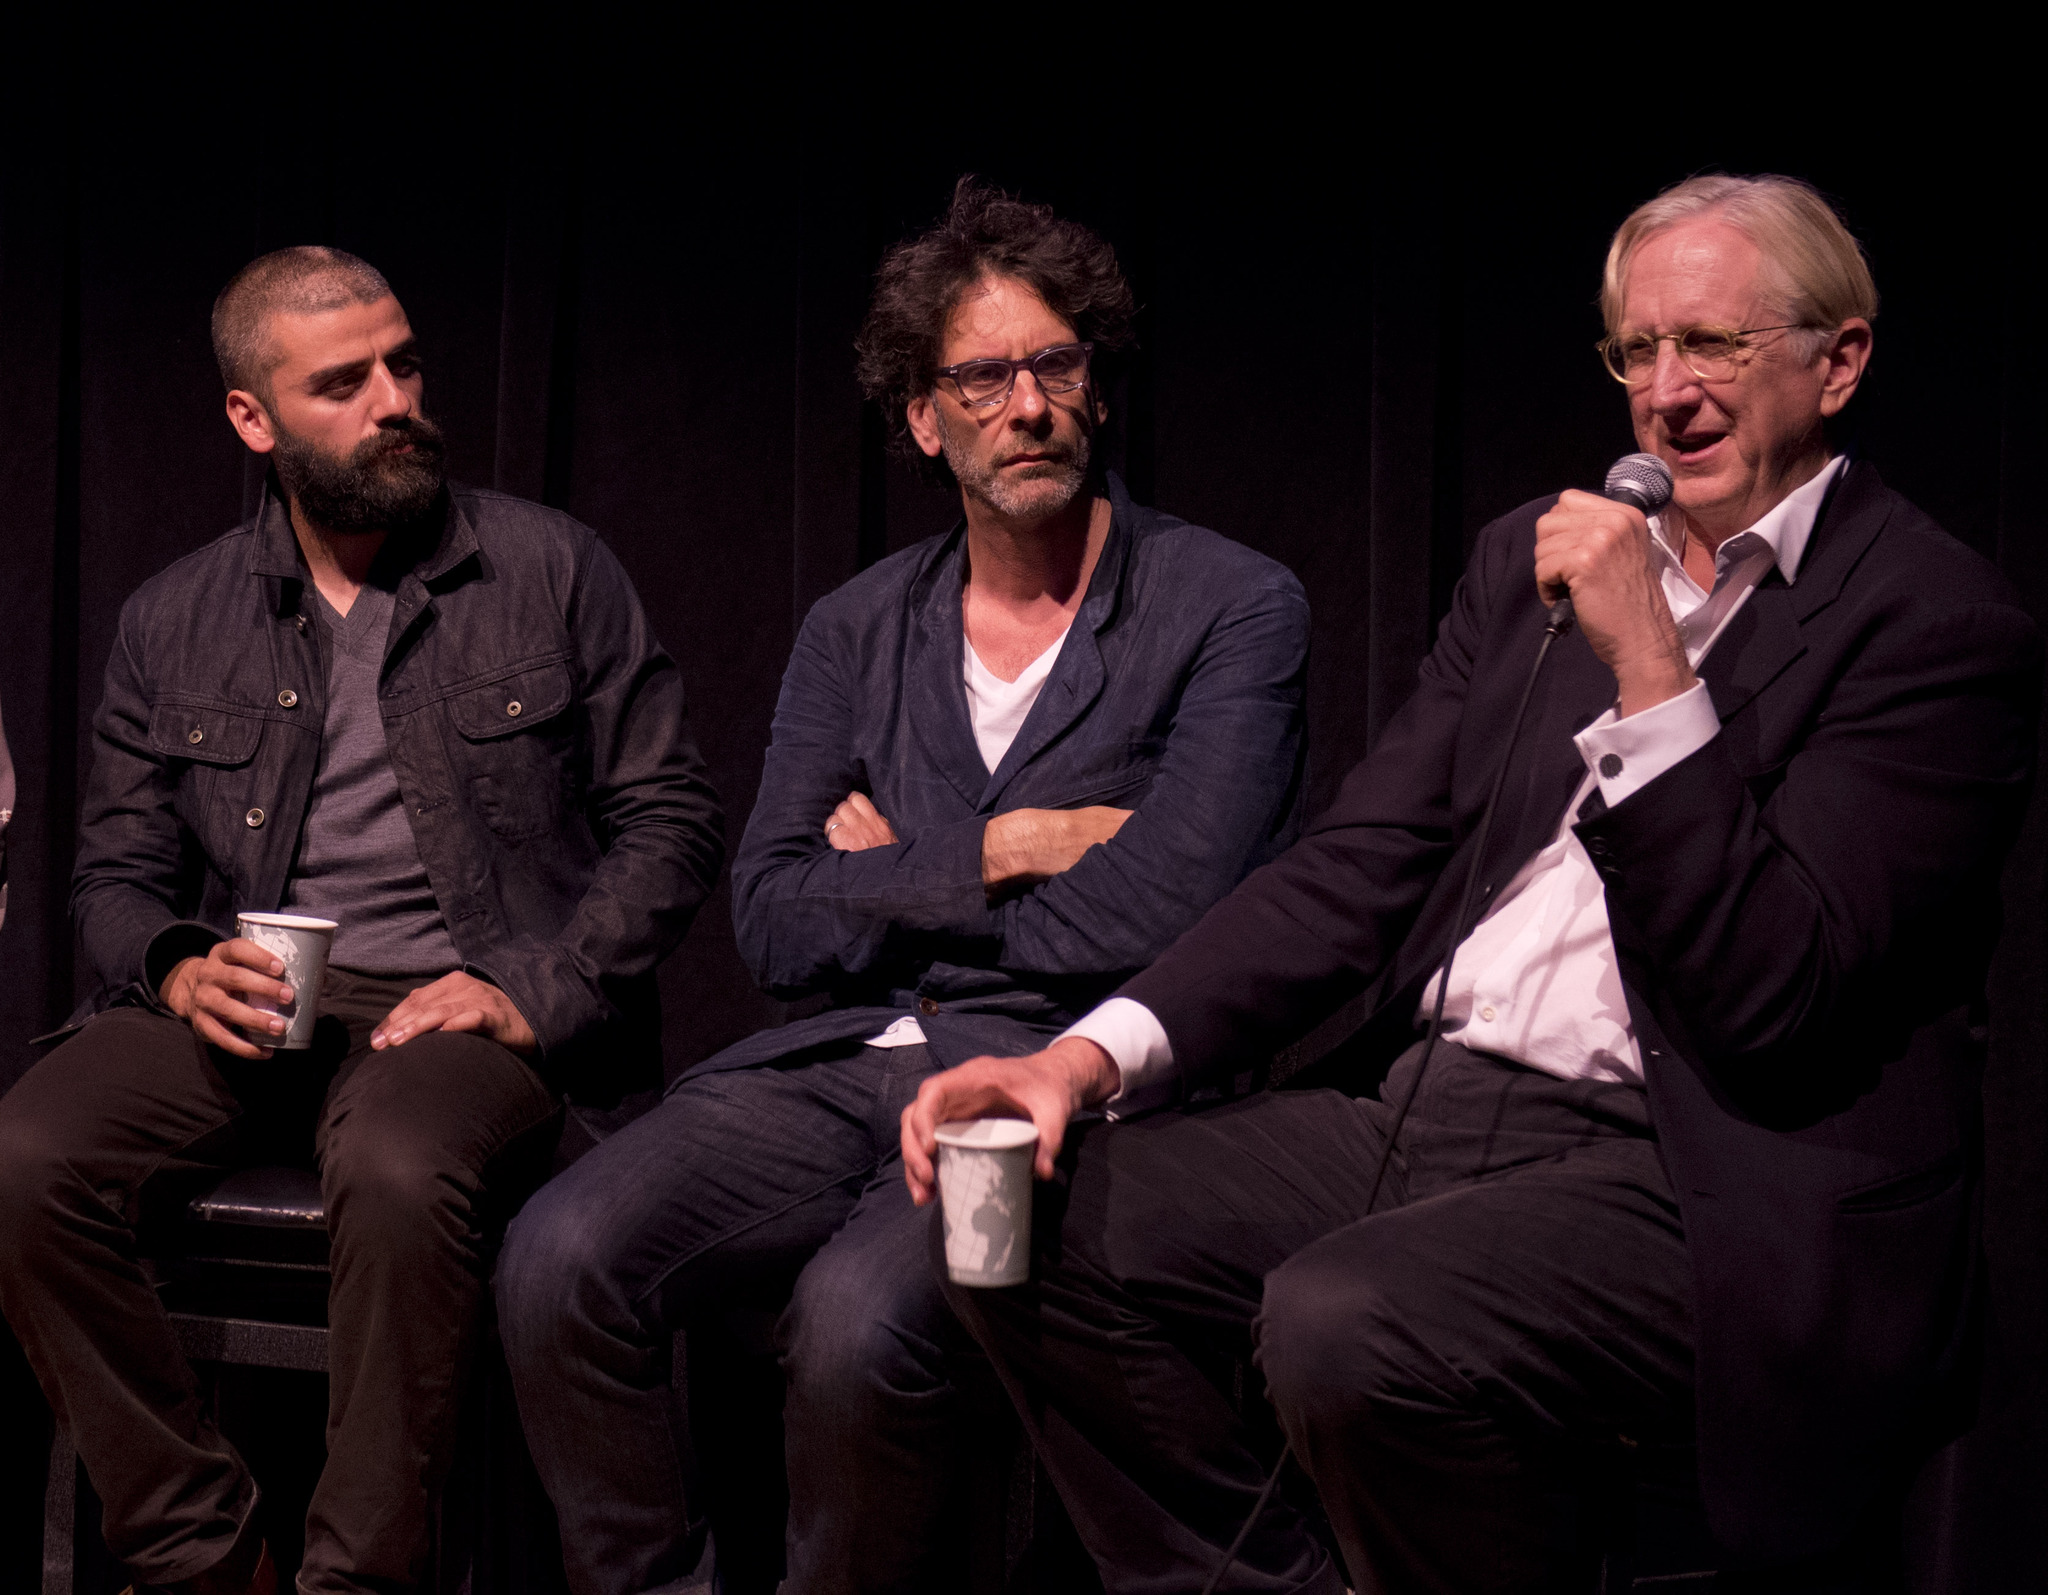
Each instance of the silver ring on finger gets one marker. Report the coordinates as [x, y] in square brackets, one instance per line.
[829, 829]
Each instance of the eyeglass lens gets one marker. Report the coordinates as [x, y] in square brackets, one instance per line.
[1058, 370]
[1709, 352]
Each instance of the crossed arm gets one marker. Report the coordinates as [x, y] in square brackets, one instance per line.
[1020, 848]
[1029, 892]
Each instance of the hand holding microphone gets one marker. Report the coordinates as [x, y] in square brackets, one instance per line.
[1595, 567]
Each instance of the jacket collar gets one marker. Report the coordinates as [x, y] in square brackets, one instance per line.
[275, 550]
[1784, 530]
[934, 687]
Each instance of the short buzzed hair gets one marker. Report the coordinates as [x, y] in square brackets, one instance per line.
[300, 281]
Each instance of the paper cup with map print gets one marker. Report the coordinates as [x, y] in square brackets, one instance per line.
[303, 944]
[985, 1194]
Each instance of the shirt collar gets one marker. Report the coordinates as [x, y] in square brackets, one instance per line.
[1785, 529]
[443, 543]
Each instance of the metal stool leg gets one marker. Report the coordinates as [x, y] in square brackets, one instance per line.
[60, 1514]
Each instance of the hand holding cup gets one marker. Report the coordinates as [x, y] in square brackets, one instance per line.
[211, 994]
[1048, 1088]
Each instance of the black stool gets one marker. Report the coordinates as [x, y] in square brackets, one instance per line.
[243, 1270]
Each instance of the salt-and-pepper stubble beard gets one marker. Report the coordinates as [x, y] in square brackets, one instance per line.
[986, 482]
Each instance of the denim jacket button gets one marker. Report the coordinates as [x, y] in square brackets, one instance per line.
[254, 818]
[287, 699]
[195, 736]
[514, 707]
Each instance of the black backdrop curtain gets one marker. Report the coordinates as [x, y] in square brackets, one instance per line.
[1361, 340]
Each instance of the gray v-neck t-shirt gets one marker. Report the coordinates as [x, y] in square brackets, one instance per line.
[357, 862]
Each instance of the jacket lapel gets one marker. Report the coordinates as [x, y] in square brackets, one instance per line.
[1761, 640]
[1764, 636]
[934, 693]
[1576, 690]
[1077, 675]
[1075, 683]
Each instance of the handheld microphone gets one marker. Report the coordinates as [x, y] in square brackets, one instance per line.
[1640, 480]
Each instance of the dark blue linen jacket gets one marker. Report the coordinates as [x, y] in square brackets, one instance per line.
[536, 728]
[1178, 694]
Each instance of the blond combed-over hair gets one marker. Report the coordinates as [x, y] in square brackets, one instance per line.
[1813, 266]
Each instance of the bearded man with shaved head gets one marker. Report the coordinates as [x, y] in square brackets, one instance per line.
[439, 718]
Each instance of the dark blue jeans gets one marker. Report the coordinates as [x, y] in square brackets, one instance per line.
[739, 1184]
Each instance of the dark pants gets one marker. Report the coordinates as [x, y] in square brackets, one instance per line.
[1451, 1371]
[738, 1189]
[418, 1148]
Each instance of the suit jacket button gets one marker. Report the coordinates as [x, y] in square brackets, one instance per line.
[287, 699]
[927, 1007]
[253, 818]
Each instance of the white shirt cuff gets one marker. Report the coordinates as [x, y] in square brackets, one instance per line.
[1136, 1043]
[1624, 755]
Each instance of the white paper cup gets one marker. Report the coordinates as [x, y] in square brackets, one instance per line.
[985, 1195]
[303, 944]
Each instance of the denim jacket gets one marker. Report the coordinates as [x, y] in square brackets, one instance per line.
[1177, 694]
[536, 730]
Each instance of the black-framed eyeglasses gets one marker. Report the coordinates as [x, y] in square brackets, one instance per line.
[980, 383]
[1713, 354]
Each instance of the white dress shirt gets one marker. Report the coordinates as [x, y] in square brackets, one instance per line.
[1537, 980]
[998, 709]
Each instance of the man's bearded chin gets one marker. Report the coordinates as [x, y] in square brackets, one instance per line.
[1037, 492]
[374, 487]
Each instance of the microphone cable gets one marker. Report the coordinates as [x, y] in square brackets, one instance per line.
[1642, 481]
[1557, 622]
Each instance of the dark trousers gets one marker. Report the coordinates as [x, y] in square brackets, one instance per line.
[753, 1187]
[1453, 1371]
[417, 1147]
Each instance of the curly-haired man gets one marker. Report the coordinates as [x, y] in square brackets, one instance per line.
[1009, 766]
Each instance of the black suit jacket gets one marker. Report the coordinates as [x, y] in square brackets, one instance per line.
[1803, 912]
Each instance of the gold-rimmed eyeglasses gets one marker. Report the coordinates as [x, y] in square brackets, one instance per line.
[1713, 354]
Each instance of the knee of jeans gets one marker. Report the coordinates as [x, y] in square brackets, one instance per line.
[853, 1331]
[1332, 1338]
[553, 1271]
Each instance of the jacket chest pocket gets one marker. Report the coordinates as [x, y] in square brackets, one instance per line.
[1119, 775]
[517, 747]
[210, 756]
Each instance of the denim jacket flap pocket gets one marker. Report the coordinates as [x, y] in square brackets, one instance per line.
[513, 701]
[203, 733]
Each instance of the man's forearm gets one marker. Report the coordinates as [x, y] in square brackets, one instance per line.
[1018, 847]
[1027, 846]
